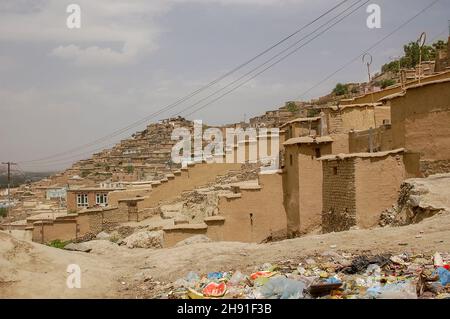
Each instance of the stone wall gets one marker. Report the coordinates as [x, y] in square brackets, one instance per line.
[428, 168]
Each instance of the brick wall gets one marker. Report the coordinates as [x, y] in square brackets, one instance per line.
[339, 196]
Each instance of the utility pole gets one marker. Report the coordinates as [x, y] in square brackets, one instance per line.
[9, 183]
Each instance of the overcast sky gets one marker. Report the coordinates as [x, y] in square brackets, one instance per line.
[61, 88]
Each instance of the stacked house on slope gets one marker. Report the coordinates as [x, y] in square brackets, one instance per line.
[344, 171]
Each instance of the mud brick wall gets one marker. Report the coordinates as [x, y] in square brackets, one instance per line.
[89, 222]
[381, 140]
[178, 233]
[118, 215]
[335, 122]
[378, 181]
[139, 215]
[64, 229]
[257, 214]
[420, 121]
[339, 195]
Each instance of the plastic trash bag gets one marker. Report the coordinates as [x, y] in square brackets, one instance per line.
[444, 276]
[215, 275]
[333, 280]
[398, 290]
[192, 277]
[237, 278]
[373, 270]
[282, 288]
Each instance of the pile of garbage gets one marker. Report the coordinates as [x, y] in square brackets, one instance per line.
[330, 275]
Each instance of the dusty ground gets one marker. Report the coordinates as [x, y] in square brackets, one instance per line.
[31, 270]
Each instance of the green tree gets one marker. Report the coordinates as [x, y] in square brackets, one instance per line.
[340, 89]
[292, 107]
[439, 45]
[412, 56]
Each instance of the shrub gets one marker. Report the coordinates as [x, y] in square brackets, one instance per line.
[387, 82]
[58, 243]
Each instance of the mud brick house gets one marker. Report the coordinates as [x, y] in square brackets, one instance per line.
[301, 127]
[358, 187]
[82, 198]
[302, 182]
[342, 119]
[421, 124]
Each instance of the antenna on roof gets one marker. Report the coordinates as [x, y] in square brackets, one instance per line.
[421, 43]
[367, 59]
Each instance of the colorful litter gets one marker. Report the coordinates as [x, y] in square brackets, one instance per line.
[330, 275]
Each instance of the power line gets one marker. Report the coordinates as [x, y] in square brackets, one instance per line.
[66, 159]
[270, 59]
[367, 50]
[187, 97]
[276, 62]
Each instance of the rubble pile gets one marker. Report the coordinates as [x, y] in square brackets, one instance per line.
[419, 198]
[330, 275]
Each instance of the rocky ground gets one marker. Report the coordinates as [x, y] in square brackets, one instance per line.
[109, 270]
